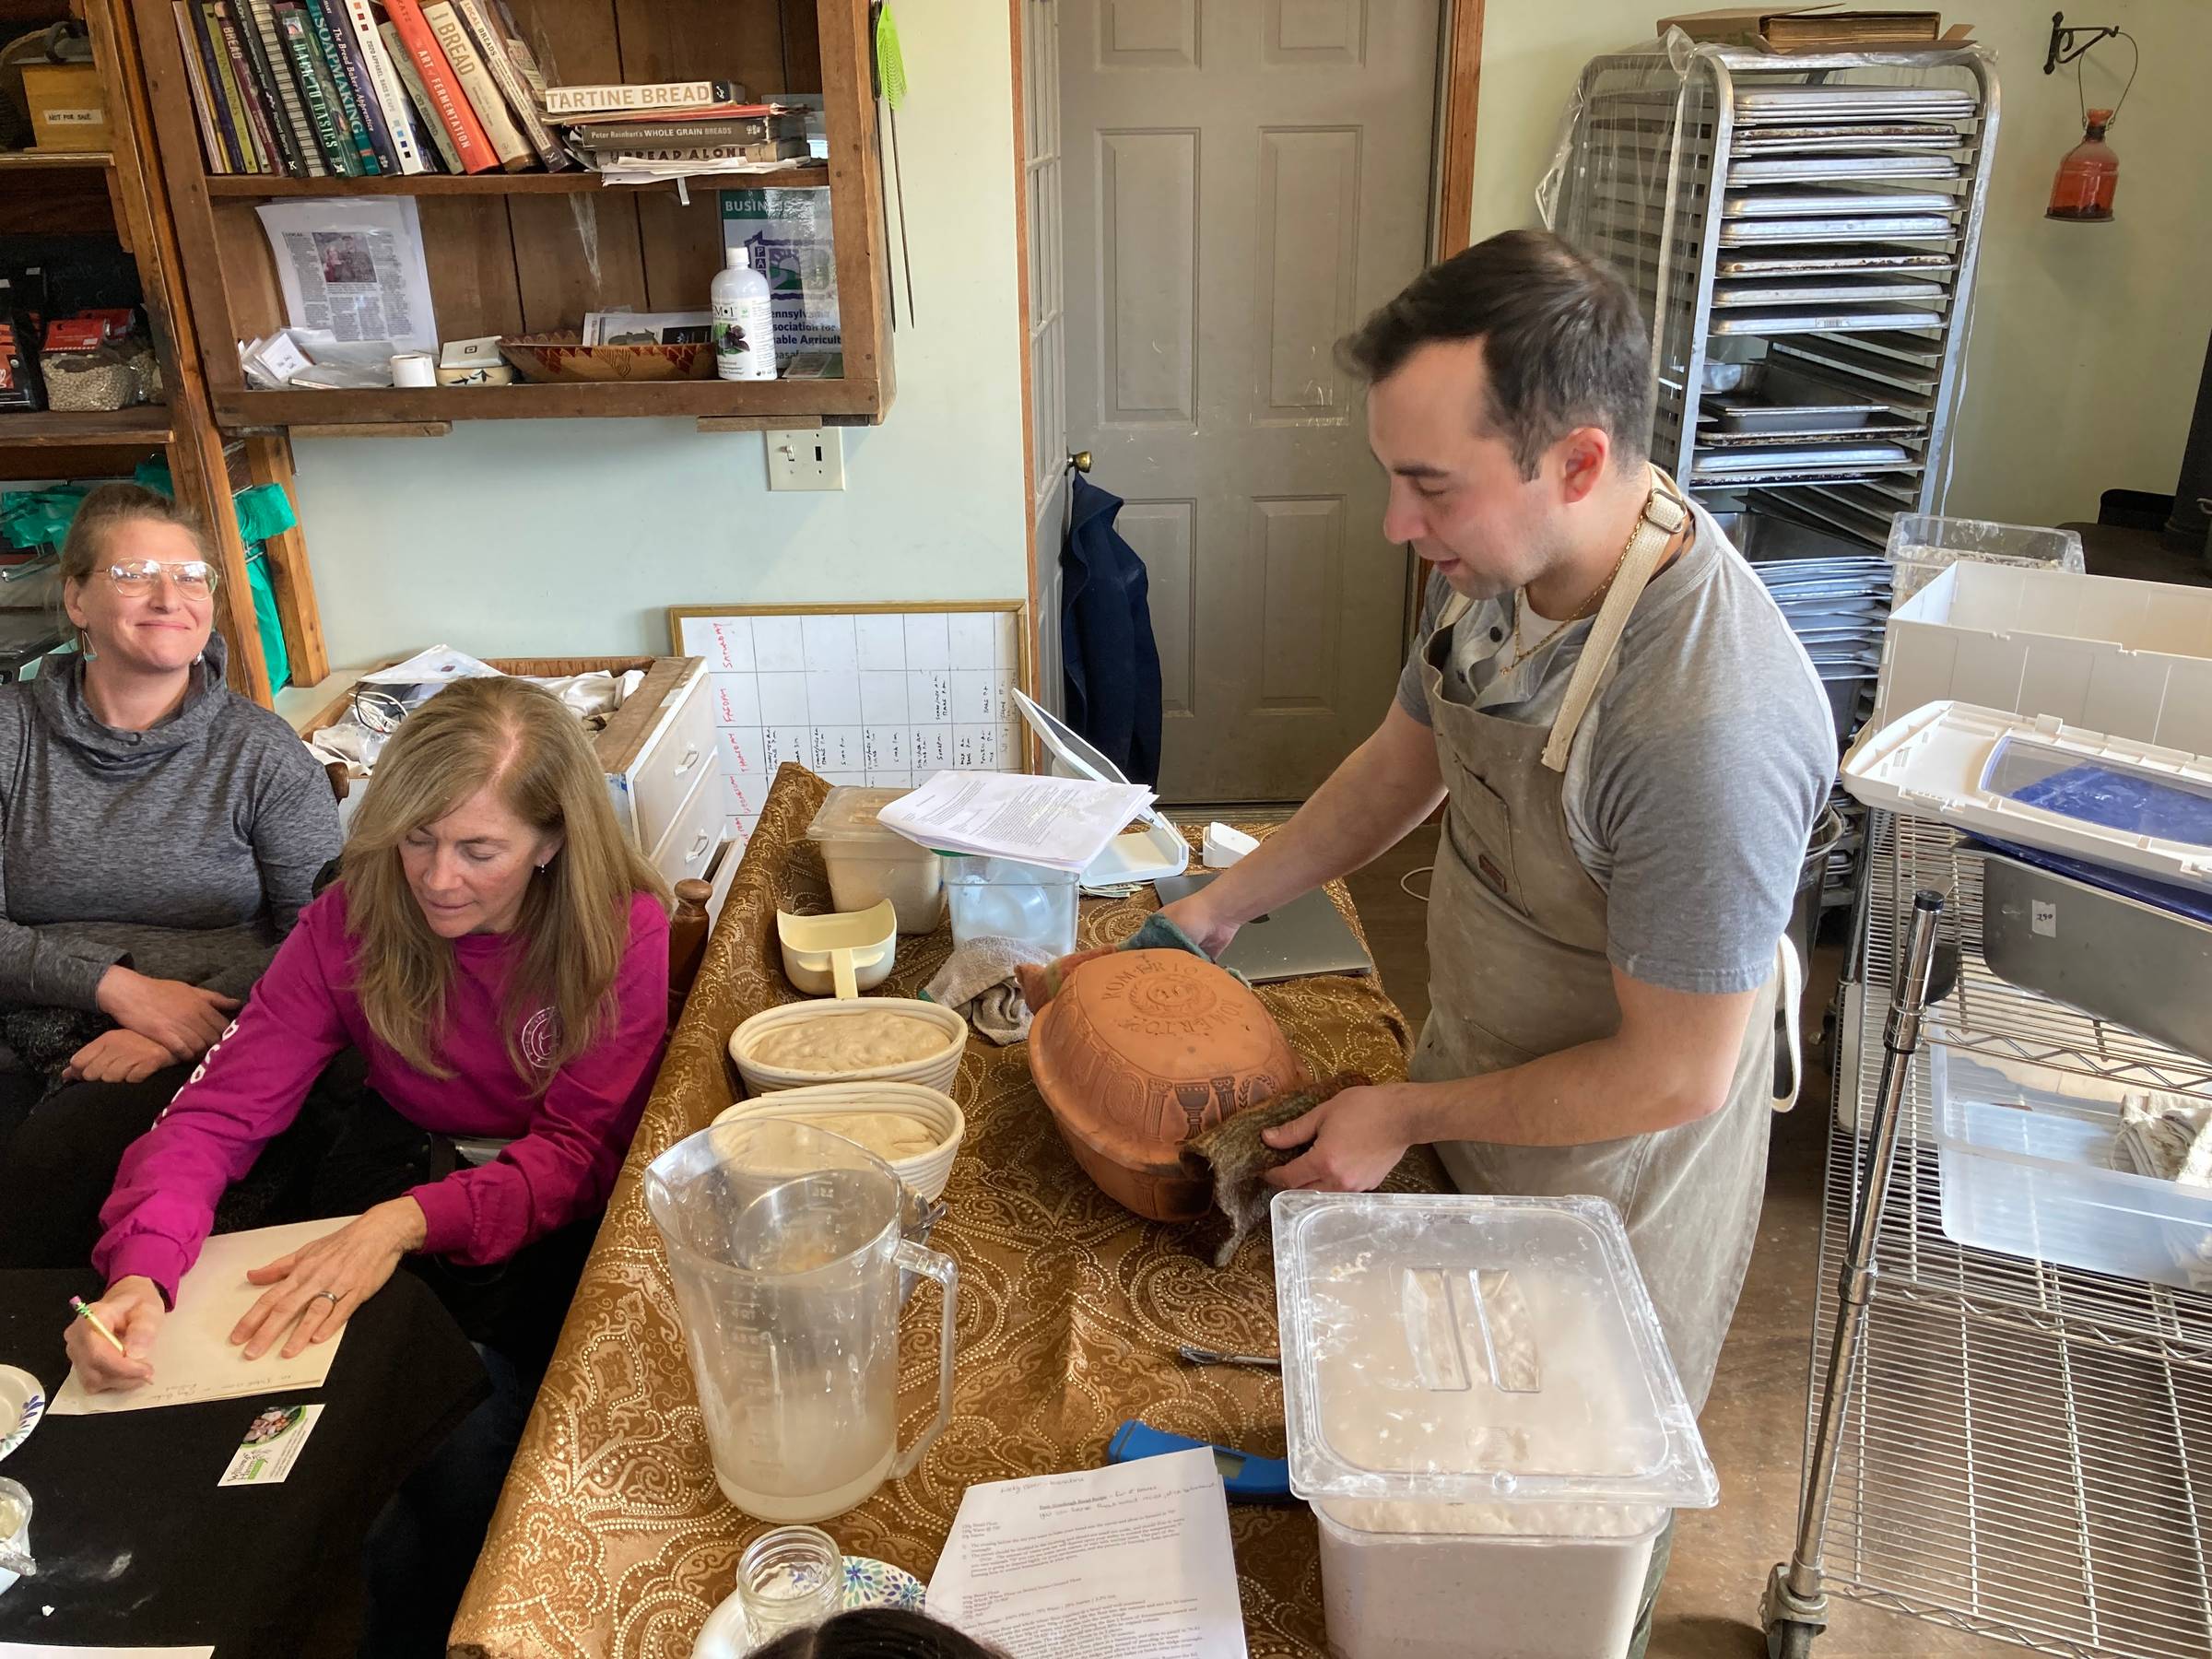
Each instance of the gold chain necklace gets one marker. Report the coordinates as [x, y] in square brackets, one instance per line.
[1582, 612]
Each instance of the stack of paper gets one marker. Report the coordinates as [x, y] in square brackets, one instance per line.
[1133, 1559]
[1060, 823]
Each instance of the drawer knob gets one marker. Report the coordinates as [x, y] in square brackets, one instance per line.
[706, 839]
[691, 760]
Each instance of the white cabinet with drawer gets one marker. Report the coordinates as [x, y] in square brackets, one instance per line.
[686, 845]
[654, 779]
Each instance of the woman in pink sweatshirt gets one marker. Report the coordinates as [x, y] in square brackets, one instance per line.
[496, 955]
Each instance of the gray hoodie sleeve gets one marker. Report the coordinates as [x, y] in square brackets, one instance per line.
[49, 972]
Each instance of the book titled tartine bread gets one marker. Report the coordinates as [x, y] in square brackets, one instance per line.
[569, 103]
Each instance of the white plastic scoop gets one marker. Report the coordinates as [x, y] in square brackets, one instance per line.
[840, 954]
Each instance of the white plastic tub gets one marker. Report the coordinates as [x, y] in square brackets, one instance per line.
[1481, 1409]
[868, 864]
[1395, 1594]
[2130, 659]
[2030, 1171]
[1003, 898]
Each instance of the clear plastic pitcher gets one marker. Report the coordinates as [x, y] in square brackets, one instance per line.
[785, 1243]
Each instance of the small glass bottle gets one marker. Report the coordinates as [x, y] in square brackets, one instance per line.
[2088, 177]
[788, 1579]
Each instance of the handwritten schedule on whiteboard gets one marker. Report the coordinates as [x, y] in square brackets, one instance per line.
[881, 698]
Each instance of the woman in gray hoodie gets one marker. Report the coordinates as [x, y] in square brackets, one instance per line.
[159, 834]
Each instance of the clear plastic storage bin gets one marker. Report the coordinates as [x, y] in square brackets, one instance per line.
[1481, 1409]
[1923, 545]
[1004, 899]
[2032, 1171]
[868, 864]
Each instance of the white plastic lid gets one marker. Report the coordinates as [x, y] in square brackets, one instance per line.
[2037, 782]
[740, 258]
[848, 814]
[1448, 1348]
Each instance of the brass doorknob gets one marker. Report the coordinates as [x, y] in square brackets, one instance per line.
[1080, 461]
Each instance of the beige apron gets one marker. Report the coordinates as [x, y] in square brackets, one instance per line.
[1517, 968]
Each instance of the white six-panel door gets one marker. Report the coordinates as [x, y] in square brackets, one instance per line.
[1244, 180]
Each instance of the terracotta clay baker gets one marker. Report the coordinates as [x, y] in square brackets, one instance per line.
[1141, 1050]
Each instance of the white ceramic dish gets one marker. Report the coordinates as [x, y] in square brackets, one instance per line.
[840, 954]
[824, 1104]
[935, 1071]
[22, 1404]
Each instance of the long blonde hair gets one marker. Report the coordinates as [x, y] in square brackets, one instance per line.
[575, 925]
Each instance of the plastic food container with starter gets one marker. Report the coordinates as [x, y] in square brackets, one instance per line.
[1007, 898]
[1482, 1412]
[868, 862]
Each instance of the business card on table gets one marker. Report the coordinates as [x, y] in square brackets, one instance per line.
[272, 1446]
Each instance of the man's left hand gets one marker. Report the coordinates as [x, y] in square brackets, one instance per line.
[1356, 1139]
[314, 1290]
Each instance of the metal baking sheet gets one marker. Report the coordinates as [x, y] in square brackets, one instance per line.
[1828, 261]
[1827, 319]
[1809, 455]
[1915, 227]
[1790, 380]
[1794, 168]
[1837, 427]
[1825, 201]
[1917, 349]
[1876, 133]
[1847, 103]
[1867, 365]
[1817, 291]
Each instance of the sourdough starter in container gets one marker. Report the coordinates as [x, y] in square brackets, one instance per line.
[1481, 1410]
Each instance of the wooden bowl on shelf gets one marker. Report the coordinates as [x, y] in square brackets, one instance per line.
[562, 359]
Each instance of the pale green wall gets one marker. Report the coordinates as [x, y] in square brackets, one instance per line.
[562, 537]
[2088, 340]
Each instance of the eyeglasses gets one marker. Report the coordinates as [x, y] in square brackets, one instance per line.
[194, 577]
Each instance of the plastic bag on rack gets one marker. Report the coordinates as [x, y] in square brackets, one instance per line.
[1629, 182]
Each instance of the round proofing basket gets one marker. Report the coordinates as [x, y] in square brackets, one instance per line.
[823, 1104]
[935, 1071]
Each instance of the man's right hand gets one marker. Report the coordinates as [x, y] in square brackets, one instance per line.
[133, 1308]
[1209, 929]
[182, 1019]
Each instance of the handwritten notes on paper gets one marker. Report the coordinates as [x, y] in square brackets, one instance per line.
[1132, 1561]
[192, 1357]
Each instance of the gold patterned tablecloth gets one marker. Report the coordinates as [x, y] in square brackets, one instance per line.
[611, 1536]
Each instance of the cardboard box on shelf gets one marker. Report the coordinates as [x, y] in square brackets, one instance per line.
[68, 106]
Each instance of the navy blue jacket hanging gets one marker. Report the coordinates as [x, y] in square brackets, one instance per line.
[1111, 661]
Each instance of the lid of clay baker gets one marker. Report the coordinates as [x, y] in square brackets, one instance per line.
[1144, 1049]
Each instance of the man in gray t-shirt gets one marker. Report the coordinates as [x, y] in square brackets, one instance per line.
[1711, 735]
[1630, 748]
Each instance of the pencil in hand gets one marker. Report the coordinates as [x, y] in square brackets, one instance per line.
[84, 1311]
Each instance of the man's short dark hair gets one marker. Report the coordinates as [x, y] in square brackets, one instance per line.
[1561, 339]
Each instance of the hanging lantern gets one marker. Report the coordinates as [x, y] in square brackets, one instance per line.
[2088, 177]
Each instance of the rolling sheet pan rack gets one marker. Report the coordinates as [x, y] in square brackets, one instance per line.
[2022, 1450]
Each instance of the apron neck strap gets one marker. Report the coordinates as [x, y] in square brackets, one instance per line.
[1665, 513]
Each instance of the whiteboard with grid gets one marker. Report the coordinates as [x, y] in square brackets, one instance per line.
[869, 696]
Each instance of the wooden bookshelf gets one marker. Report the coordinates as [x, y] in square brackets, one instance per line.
[120, 197]
[33, 160]
[59, 429]
[799, 176]
[531, 252]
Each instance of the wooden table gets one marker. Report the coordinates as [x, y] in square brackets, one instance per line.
[611, 1536]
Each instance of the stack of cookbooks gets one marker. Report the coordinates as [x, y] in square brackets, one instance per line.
[354, 88]
[637, 133]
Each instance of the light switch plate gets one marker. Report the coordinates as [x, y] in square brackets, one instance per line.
[806, 458]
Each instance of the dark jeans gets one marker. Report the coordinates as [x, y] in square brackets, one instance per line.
[424, 1543]
[58, 1156]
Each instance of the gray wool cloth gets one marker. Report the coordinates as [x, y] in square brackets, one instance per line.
[977, 983]
[184, 851]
